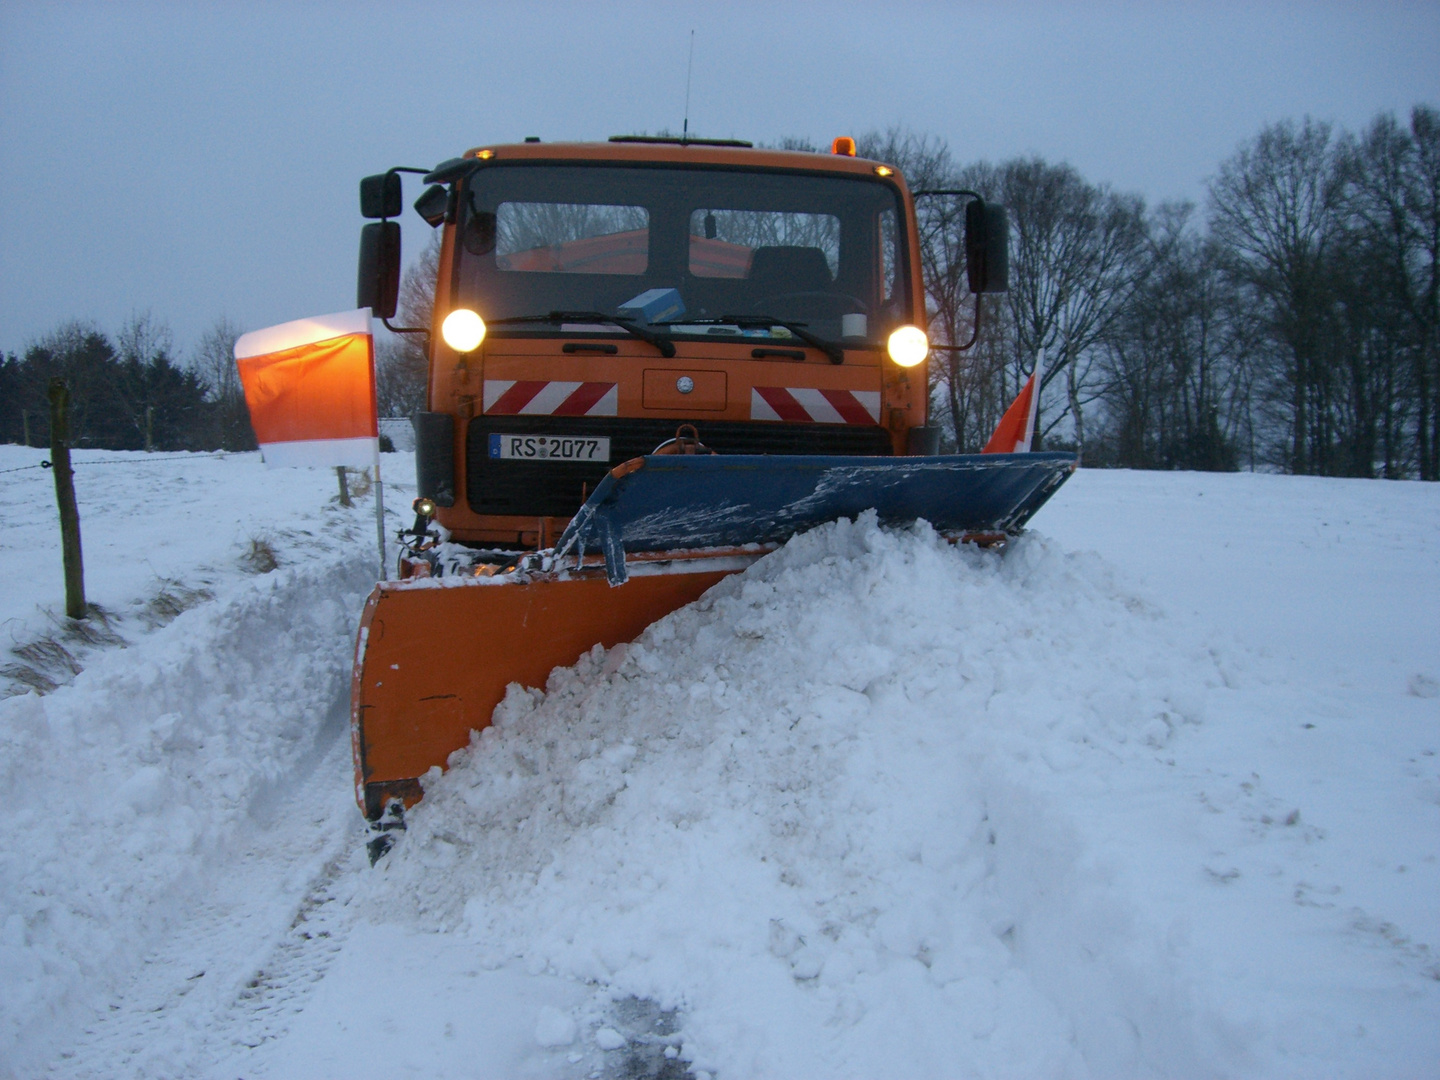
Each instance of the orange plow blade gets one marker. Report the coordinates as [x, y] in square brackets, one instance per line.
[432, 661]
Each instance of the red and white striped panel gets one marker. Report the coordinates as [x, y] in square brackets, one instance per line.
[815, 406]
[510, 397]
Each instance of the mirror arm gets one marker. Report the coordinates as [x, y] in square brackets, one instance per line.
[406, 329]
[946, 191]
[973, 337]
[447, 172]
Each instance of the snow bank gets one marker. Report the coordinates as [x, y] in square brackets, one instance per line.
[127, 789]
[124, 787]
[824, 811]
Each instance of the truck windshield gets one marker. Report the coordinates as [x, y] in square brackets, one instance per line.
[820, 251]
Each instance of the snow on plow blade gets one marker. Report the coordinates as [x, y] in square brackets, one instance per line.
[434, 656]
[699, 501]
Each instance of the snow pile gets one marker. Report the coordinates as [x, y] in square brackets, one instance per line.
[826, 812]
[126, 789]
[121, 789]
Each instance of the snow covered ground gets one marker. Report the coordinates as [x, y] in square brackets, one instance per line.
[1155, 793]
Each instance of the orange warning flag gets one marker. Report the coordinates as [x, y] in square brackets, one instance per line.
[1017, 427]
[310, 388]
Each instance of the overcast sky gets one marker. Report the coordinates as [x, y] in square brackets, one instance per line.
[199, 160]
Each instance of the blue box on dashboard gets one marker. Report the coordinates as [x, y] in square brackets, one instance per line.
[653, 306]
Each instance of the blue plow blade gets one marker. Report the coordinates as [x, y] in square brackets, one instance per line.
[678, 501]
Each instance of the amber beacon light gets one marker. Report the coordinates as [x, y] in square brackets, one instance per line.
[908, 346]
[463, 330]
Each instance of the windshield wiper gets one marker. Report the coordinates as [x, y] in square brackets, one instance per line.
[664, 344]
[829, 348]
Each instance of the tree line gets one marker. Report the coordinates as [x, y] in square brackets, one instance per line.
[1292, 323]
[129, 391]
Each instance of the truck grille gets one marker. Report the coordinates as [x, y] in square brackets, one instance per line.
[556, 489]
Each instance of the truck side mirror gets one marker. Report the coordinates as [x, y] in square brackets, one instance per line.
[987, 247]
[378, 284]
[433, 204]
[380, 195]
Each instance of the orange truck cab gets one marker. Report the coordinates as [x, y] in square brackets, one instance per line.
[759, 291]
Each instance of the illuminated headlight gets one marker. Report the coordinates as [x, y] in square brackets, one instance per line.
[425, 507]
[463, 330]
[908, 346]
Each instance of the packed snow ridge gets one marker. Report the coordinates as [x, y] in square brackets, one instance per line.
[808, 804]
[864, 810]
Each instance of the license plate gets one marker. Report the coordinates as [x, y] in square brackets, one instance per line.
[550, 447]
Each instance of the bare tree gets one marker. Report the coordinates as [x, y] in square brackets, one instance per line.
[1391, 202]
[1423, 200]
[399, 386]
[1076, 254]
[964, 385]
[214, 360]
[143, 344]
[923, 159]
[1175, 370]
[402, 363]
[143, 339]
[1077, 258]
[796, 142]
[1273, 208]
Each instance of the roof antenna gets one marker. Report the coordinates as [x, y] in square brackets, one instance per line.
[689, 67]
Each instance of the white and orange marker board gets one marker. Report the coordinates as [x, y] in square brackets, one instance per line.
[1016, 430]
[310, 388]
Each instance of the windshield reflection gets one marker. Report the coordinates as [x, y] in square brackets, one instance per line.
[821, 252]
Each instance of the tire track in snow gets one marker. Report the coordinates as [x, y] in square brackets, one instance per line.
[243, 962]
[279, 990]
[236, 716]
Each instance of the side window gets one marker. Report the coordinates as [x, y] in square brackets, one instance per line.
[571, 238]
[890, 255]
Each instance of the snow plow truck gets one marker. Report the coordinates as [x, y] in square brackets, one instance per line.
[651, 361]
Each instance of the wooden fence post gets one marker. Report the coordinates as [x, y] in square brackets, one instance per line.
[65, 497]
[344, 486]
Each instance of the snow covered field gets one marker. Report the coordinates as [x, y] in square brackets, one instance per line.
[1155, 793]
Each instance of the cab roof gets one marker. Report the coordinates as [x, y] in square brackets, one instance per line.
[684, 153]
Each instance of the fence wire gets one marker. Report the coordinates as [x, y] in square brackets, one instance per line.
[147, 460]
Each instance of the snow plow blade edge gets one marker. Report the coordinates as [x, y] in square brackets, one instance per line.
[668, 502]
